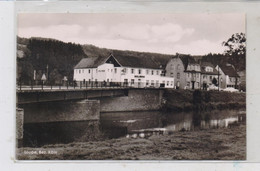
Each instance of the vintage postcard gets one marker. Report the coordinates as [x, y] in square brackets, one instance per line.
[131, 86]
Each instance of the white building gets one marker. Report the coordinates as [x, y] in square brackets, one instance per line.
[129, 71]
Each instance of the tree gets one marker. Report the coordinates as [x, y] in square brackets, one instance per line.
[236, 50]
[236, 44]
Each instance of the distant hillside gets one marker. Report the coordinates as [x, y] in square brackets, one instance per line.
[40, 54]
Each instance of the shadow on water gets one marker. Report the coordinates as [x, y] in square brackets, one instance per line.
[138, 122]
[119, 124]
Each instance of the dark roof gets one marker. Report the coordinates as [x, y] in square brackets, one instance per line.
[186, 60]
[204, 65]
[92, 62]
[137, 62]
[229, 70]
[125, 61]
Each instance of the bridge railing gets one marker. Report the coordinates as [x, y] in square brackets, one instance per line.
[48, 85]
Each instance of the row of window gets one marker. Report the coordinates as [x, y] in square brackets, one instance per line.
[141, 71]
[178, 75]
[206, 77]
[152, 82]
[124, 70]
[173, 68]
[194, 67]
[197, 84]
[209, 69]
[194, 75]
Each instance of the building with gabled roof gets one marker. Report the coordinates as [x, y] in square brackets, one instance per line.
[185, 71]
[228, 76]
[132, 71]
[175, 68]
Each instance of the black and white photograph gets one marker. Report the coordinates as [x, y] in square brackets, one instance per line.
[131, 86]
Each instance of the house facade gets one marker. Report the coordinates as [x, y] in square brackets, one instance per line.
[133, 72]
[175, 69]
[193, 74]
[185, 71]
[209, 75]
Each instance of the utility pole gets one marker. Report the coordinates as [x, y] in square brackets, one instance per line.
[47, 73]
[218, 77]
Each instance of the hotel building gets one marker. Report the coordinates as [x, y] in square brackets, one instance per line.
[131, 71]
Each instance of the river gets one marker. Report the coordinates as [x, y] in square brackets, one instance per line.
[129, 124]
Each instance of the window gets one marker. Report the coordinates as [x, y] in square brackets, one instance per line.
[188, 84]
[178, 75]
[115, 70]
[96, 70]
[126, 70]
[89, 71]
[157, 82]
[147, 82]
[178, 67]
[139, 71]
[197, 75]
[157, 72]
[79, 71]
[210, 77]
[132, 71]
[147, 72]
[171, 83]
[83, 71]
[171, 75]
[152, 72]
[132, 81]
[167, 83]
[152, 82]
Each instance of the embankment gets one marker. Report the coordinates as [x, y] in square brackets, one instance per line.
[186, 100]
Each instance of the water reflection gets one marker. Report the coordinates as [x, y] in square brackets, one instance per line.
[137, 122]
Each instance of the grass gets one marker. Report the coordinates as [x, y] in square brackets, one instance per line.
[182, 100]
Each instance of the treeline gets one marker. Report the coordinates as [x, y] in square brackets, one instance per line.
[47, 55]
[238, 61]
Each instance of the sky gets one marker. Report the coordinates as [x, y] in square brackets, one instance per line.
[167, 33]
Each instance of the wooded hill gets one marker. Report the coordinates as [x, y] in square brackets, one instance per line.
[60, 57]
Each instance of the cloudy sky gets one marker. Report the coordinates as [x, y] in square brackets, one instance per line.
[195, 34]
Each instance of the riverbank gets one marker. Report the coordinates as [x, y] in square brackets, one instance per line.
[209, 144]
[185, 100]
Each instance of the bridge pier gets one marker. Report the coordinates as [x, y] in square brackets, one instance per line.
[56, 122]
[19, 127]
